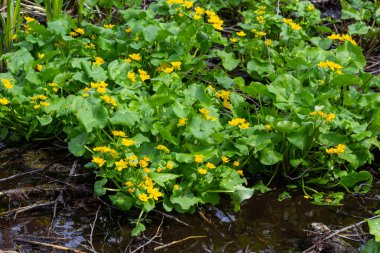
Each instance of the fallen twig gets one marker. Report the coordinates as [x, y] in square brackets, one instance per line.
[25, 208]
[171, 217]
[92, 229]
[58, 247]
[179, 241]
[19, 175]
[203, 216]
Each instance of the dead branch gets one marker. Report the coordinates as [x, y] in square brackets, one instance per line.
[53, 246]
[171, 217]
[179, 241]
[19, 175]
[25, 208]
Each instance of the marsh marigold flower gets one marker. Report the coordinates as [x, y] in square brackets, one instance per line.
[202, 171]
[98, 61]
[39, 67]
[99, 161]
[210, 166]
[4, 101]
[181, 122]
[128, 142]
[225, 159]
[241, 34]
[143, 197]
[109, 26]
[136, 57]
[337, 150]
[7, 83]
[118, 133]
[198, 158]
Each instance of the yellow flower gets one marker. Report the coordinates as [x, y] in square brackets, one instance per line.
[240, 172]
[163, 148]
[237, 121]
[202, 171]
[241, 34]
[197, 17]
[268, 127]
[29, 19]
[338, 150]
[99, 161]
[40, 56]
[176, 65]
[131, 190]
[244, 125]
[36, 106]
[121, 164]
[225, 159]
[236, 163]
[143, 75]
[39, 67]
[7, 83]
[128, 142]
[98, 60]
[102, 149]
[310, 8]
[260, 19]
[268, 42]
[210, 166]
[198, 158]
[199, 10]
[261, 34]
[132, 77]
[128, 30]
[188, 4]
[143, 197]
[73, 34]
[129, 183]
[331, 65]
[159, 169]
[109, 26]
[79, 31]
[135, 57]
[4, 101]
[143, 163]
[234, 40]
[154, 193]
[295, 26]
[44, 104]
[168, 70]
[181, 122]
[176, 187]
[108, 99]
[223, 94]
[128, 60]
[169, 166]
[118, 133]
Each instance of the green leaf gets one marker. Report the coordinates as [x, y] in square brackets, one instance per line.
[353, 178]
[229, 61]
[358, 28]
[150, 33]
[186, 201]
[92, 117]
[138, 229]
[76, 145]
[262, 67]
[371, 247]
[125, 117]
[286, 126]
[162, 178]
[284, 195]
[45, 119]
[99, 187]
[260, 186]
[270, 157]
[374, 228]
[184, 158]
[121, 200]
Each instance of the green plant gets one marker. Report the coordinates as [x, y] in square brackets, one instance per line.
[135, 98]
[53, 8]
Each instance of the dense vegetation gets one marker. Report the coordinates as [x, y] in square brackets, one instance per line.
[180, 103]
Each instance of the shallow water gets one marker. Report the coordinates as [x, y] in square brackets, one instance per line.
[263, 225]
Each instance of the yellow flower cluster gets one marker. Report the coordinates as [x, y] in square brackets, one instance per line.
[205, 114]
[163, 148]
[293, 25]
[198, 12]
[110, 26]
[241, 34]
[105, 150]
[214, 19]
[118, 133]
[225, 96]
[128, 142]
[54, 86]
[131, 76]
[77, 32]
[7, 84]
[100, 87]
[259, 14]
[169, 68]
[331, 65]
[337, 150]
[109, 100]
[343, 37]
[39, 98]
[198, 158]
[329, 117]
[239, 122]
[152, 193]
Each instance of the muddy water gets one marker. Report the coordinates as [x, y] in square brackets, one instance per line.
[263, 225]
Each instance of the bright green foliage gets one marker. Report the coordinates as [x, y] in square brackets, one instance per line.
[175, 111]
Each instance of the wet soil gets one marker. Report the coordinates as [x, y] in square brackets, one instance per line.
[66, 214]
